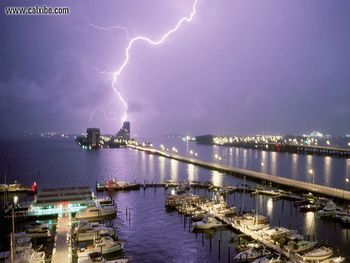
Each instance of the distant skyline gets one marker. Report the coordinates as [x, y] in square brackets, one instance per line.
[239, 67]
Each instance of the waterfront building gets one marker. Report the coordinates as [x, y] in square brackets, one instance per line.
[93, 137]
[124, 133]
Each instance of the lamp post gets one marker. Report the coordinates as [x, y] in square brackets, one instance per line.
[15, 201]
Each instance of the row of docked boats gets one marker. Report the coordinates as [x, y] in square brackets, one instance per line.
[92, 240]
[290, 245]
[23, 248]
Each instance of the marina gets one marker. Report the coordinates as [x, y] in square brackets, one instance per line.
[141, 213]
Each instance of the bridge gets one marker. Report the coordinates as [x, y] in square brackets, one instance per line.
[278, 180]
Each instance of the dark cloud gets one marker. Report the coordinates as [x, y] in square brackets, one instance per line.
[238, 67]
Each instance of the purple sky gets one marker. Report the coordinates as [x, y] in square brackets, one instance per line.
[240, 67]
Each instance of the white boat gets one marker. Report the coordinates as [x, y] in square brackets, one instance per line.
[207, 223]
[105, 245]
[269, 260]
[23, 244]
[346, 219]
[277, 232]
[334, 260]
[90, 231]
[96, 257]
[319, 254]
[300, 247]
[328, 210]
[96, 213]
[32, 234]
[30, 256]
[37, 228]
[251, 254]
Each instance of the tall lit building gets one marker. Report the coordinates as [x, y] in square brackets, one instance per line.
[93, 137]
[124, 132]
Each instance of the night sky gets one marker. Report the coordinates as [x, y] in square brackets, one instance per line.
[239, 67]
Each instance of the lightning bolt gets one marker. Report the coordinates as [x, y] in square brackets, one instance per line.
[131, 43]
[102, 28]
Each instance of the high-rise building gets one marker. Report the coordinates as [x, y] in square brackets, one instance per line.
[93, 137]
[124, 132]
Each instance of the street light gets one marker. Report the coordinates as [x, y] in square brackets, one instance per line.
[15, 201]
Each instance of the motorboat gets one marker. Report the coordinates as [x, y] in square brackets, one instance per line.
[96, 257]
[32, 234]
[277, 232]
[269, 259]
[207, 223]
[96, 213]
[300, 247]
[23, 244]
[319, 254]
[38, 228]
[182, 188]
[198, 215]
[93, 233]
[251, 254]
[105, 245]
[114, 185]
[346, 219]
[328, 210]
[334, 260]
[30, 255]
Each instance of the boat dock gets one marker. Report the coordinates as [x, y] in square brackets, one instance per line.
[278, 180]
[61, 249]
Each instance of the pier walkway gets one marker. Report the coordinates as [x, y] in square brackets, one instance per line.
[61, 251]
[287, 182]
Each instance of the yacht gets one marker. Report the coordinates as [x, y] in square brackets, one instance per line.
[251, 254]
[23, 244]
[93, 233]
[277, 232]
[318, 254]
[334, 260]
[32, 234]
[37, 228]
[207, 223]
[97, 213]
[346, 219]
[300, 247]
[105, 245]
[328, 210]
[96, 257]
[30, 256]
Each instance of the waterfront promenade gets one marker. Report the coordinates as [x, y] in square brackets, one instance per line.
[286, 182]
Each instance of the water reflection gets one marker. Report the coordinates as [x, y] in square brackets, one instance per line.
[191, 170]
[151, 165]
[263, 163]
[273, 163]
[216, 178]
[309, 225]
[245, 158]
[269, 207]
[174, 169]
[294, 169]
[327, 169]
[162, 172]
[309, 172]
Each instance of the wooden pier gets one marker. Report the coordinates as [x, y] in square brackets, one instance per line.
[278, 180]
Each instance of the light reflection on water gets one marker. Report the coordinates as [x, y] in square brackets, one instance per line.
[309, 225]
[216, 178]
[86, 167]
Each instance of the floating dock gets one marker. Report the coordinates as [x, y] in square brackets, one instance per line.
[283, 181]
